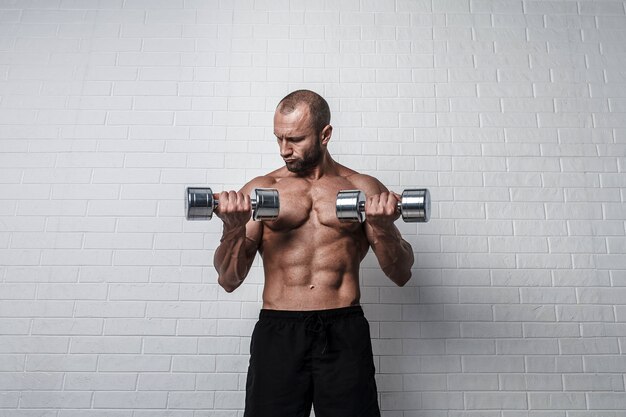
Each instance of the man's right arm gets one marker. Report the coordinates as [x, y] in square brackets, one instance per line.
[240, 240]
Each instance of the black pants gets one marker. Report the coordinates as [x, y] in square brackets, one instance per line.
[302, 358]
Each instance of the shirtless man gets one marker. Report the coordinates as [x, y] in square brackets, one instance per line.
[311, 344]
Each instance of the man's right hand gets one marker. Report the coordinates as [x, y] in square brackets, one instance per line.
[234, 208]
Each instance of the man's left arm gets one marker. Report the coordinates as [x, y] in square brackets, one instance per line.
[394, 254]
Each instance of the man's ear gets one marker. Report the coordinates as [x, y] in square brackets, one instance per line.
[327, 132]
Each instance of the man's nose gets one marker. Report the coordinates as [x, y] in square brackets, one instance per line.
[285, 149]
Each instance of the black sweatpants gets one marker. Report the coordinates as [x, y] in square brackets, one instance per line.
[300, 358]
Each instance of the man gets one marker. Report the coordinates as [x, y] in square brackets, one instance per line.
[311, 344]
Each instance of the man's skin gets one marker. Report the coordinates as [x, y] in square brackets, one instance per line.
[311, 260]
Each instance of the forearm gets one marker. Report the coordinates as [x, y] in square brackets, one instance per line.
[233, 258]
[394, 254]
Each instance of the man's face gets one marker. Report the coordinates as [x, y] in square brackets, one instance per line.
[299, 145]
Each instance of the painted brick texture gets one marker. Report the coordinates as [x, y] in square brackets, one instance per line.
[512, 113]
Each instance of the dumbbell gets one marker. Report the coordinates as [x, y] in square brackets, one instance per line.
[200, 203]
[414, 206]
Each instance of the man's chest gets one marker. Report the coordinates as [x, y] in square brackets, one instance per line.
[310, 203]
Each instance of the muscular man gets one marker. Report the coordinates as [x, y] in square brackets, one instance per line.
[311, 344]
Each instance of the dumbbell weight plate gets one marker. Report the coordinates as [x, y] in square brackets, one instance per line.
[199, 203]
[415, 205]
[265, 204]
[348, 206]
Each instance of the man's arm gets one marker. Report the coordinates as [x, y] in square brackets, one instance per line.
[394, 254]
[240, 240]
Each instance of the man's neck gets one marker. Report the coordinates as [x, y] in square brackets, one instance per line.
[326, 166]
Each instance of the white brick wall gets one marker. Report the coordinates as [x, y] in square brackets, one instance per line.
[512, 112]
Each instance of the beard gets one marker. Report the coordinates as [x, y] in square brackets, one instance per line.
[308, 161]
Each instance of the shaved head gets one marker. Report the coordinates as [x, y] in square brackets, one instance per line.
[318, 107]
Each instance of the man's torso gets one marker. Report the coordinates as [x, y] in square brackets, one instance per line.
[311, 260]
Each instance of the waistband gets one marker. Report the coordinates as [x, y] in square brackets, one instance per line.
[303, 315]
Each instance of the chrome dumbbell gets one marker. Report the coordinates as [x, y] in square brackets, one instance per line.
[200, 203]
[414, 205]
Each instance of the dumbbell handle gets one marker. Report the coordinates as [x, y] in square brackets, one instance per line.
[362, 206]
[216, 203]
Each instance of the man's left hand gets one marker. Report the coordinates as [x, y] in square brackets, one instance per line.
[381, 210]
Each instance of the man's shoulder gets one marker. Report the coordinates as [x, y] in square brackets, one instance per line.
[268, 180]
[264, 181]
[364, 182]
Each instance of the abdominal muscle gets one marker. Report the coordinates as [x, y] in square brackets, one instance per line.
[311, 269]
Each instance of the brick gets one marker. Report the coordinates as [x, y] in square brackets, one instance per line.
[490, 330]
[602, 329]
[592, 346]
[555, 261]
[471, 382]
[9, 400]
[400, 401]
[601, 295]
[513, 179]
[481, 227]
[557, 401]
[50, 399]
[61, 363]
[496, 400]
[526, 312]
[34, 381]
[597, 414]
[182, 363]
[586, 194]
[581, 278]
[464, 244]
[530, 382]
[585, 313]
[489, 295]
[63, 326]
[158, 413]
[521, 278]
[17, 326]
[101, 382]
[470, 347]
[467, 312]
[481, 194]
[517, 245]
[551, 330]
[112, 399]
[134, 363]
[440, 330]
[529, 347]
[590, 382]
[548, 295]
[192, 400]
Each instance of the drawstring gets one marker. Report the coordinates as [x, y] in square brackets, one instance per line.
[314, 323]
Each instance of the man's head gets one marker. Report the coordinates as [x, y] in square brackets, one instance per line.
[318, 107]
[302, 128]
